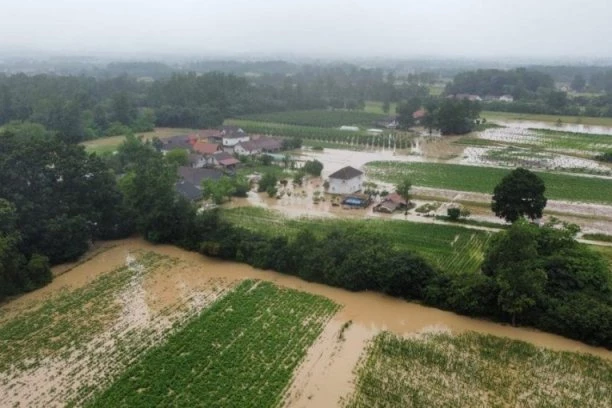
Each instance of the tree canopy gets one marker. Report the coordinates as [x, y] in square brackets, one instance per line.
[520, 193]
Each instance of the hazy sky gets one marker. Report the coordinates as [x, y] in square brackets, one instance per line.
[342, 28]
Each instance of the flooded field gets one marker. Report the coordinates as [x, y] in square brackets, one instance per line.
[140, 293]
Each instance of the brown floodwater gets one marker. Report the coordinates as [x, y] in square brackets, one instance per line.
[371, 310]
[326, 376]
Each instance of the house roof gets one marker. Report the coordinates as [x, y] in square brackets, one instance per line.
[232, 131]
[346, 173]
[267, 143]
[194, 158]
[177, 142]
[419, 114]
[196, 176]
[188, 190]
[396, 198]
[206, 148]
[249, 146]
[225, 159]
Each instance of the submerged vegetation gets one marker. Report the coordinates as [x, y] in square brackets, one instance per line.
[469, 370]
[239, 352]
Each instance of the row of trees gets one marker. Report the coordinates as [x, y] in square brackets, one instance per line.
[56, 199]
[535, 92]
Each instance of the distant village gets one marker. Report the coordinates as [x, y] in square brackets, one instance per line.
[213, 153]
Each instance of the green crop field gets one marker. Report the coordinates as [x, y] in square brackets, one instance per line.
[377, 107]
[452, 248]
[240, 352]
[484, 180]
[322, 134]
[318, 118]
[474, 370]
[562, 140]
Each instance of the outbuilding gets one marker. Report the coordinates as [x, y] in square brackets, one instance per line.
[347, 180]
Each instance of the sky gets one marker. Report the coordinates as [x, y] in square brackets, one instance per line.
[314, 28]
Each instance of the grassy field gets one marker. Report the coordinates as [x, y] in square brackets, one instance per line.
[484, 180]
[473, 370]
[241, 352]
[376, 107]
[110, 144]
[318, 118]
[489, 115]
[454, 249]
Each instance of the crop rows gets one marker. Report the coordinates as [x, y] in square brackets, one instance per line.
[390, 140]
[532, 158]
[73, 317]
[240, 352]
[474, 370]
[318, 118]
[555, 140]
[453, 249]
[484, 179]
[83, 339]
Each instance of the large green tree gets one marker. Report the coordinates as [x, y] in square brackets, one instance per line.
[520, 193]
[63, 197]
[512, 260]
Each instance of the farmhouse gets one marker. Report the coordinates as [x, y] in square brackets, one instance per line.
[247, 148]
[232, 135]
[347, 180]
[390, 122]
[225, 160]
[196, 160]
[269, 145]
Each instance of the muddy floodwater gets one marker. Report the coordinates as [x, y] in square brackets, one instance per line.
[326, 375]
[372, 311]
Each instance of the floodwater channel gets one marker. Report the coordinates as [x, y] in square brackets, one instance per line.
[326, 376]
[370, 310]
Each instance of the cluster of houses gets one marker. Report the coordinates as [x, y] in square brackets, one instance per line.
[212, 153]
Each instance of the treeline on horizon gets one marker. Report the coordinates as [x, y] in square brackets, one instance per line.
[81, 108]
[537, 93]
[55, 199]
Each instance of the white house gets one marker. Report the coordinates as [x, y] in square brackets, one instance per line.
[506, 98]
[232, 135]
[347, 180]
